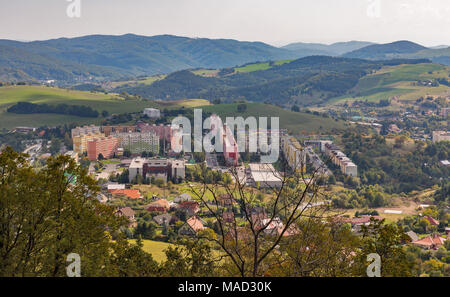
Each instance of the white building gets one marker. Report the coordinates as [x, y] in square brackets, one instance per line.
[152, 113]
[441, 136]
[265, 176]
[136, 168]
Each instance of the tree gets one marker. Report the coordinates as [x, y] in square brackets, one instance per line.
[55, 146]
[100, 157]
[242, 107]
[249, 247]
[47, 214]
[105, 113]
[127, 153]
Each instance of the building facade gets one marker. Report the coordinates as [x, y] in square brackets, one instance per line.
[80, 142]
[139, 142]
[294, 153]
[92, 129]
[106, 146]
[152, 113]
[439, 136]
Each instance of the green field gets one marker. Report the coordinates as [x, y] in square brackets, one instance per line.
[9, 95]
[146, 81]
[259, 66]
[156, 248]
[295, 122]
[398, 81]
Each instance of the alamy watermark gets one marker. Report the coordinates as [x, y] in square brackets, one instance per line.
[74, 268]
[374, 268]
[252, 134]
[74, 9]
[374, 9]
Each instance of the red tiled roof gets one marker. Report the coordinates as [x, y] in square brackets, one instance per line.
[132, 194]
[195, 223]
[432, 221]
[163, 203]
[430, 241]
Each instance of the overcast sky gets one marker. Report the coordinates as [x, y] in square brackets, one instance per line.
[276, 22]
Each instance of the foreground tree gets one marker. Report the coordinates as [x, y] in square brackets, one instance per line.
[49, 213]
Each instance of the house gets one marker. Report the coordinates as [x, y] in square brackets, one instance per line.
[228, 217]
[447, 231]
[433, 222]
[163, 219]
[225, 200]
[190, 207]
[183, 197]
[432, 242]
[192, 227]
[102, 198]
[161, 205]
[412, 235]
[127, 193]
[129, 214]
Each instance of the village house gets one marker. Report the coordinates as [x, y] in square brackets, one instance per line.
[192, 227]
[432, 242]
[225, 200]
[164, 219]
[432, 221]
[129, 214]
[183, 197]
[161, 205]
[190, 207]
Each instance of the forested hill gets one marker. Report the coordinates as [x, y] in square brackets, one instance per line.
[310, 80]
[112, 57]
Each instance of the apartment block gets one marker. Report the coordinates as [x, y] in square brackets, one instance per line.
[80, 142]
[294, 153]
[163, 131]
[108, 130]
[340, 159]
[92, 129]
[230, 147]
[105, 146]
[138, 142]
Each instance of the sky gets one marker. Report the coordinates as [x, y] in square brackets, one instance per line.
[277, 22]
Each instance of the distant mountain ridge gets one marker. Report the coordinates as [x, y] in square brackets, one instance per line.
[107, 57]
[335, 49]
[129, 55]
[385, 51]
[402, 50]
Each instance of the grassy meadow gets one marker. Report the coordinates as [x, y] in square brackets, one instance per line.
[10, 95]
[399, 81]
[295, 122]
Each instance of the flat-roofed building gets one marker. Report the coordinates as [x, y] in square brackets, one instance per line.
[163, 131]
[152, 113]
[138, 142]
[264, 176]
[106, 146]
[92, 129]
[439, 136]
[294, 153]
[136, 168]
[157, 168]
[80, 142]
[108, 130]
[178, 169]
[230, 147]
